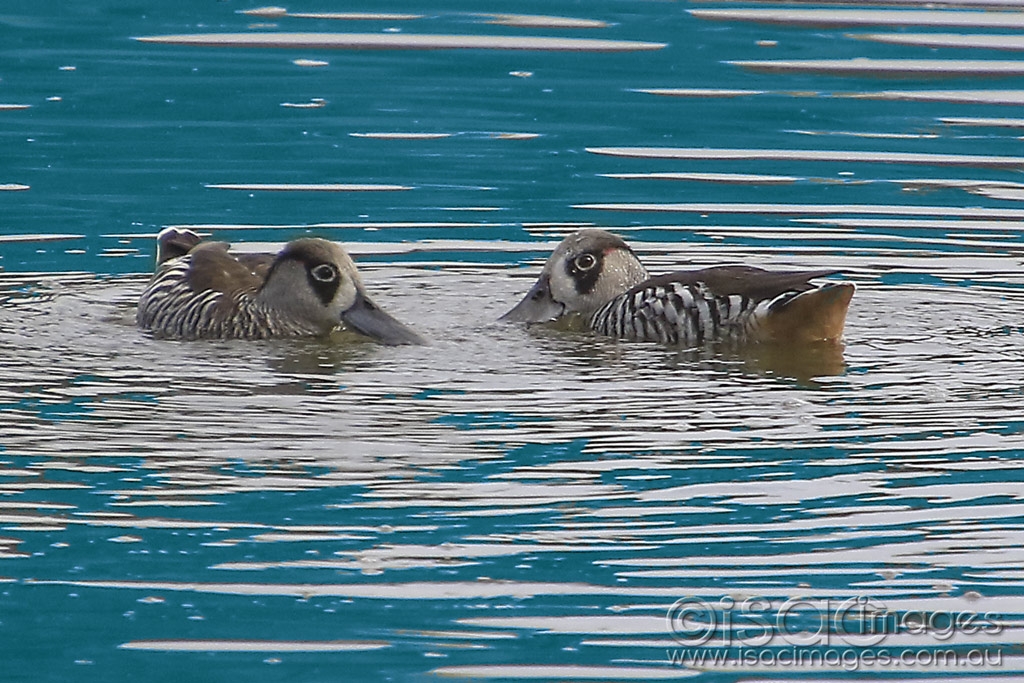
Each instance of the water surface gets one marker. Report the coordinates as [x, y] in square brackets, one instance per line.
[506, 503]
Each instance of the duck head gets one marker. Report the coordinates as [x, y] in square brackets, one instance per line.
[587, 270]
[315, 280]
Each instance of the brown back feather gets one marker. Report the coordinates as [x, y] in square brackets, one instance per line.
[258, 264]
[212, 268]
[748, 281]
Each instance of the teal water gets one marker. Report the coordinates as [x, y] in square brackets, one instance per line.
[508, 504]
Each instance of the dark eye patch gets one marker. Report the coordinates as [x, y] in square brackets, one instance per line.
[585, 269]
[325, 272]
[324, 279]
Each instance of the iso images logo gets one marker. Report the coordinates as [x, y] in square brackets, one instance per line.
[853, 634]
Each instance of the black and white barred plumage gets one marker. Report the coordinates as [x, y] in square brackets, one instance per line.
[677, 313]
[200, 291]
[595, 275]
[170, 308]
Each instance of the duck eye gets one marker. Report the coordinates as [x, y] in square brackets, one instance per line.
[585, 262]
[324, 273]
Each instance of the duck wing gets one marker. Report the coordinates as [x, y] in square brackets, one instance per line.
[258, 264]
[738, 303]
[746, 281]
[212, 268]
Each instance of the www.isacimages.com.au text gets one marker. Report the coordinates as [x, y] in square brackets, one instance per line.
[845, 659]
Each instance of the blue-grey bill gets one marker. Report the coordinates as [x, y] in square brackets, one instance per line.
[367, 318]
[537, 306]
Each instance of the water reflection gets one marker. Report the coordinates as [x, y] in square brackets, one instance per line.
[576, 347]
[341, 471]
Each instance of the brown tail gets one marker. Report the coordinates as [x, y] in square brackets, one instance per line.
[814, 316]
[174, 242]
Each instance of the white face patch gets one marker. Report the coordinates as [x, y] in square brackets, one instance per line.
[312, 281]
[611, 272]
[587, 269]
